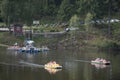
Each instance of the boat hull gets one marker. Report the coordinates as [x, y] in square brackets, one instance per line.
[96, 62]
[32, 50]
[15, 48]
[53, 67]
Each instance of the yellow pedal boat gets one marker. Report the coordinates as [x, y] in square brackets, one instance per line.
[53, 65]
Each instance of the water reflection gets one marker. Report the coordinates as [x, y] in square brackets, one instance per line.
[99, 66]
[52, 71]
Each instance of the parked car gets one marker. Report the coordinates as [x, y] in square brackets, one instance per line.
[113, 20]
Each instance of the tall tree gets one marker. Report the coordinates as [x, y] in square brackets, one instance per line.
[66, 10]
[5, 10]
[88, 24]
[85, 6]
[74, 21]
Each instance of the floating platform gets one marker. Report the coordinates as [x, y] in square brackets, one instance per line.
[27, 50]
[32, 50]
[28, 47]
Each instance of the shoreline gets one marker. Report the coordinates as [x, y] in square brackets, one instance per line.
[3, 45]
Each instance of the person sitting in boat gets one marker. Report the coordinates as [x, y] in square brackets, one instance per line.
[52, 63]
[104, 61]
[16, 44]
[101, 60]
[97, 59]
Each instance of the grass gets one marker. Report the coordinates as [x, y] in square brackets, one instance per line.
[8, 39]
[2, 24]
[43, 28]
[97, 39]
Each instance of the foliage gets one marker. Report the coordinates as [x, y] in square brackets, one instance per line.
[9, 39]
[74, 21]
[85, 6]
[29, 10]
[66, 10]
[116, 31]
[88, 20]
[44, 28]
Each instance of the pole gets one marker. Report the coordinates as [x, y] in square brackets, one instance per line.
[109, 15]
[8, 16]
[30, 16]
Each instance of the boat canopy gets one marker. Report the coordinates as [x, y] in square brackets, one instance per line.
[28, 42]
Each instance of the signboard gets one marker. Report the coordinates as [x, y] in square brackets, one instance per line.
[35, 22]
[18, 29]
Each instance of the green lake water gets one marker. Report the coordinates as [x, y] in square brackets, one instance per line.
[76, 65]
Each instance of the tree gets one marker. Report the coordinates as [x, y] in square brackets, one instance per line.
[88, 20]
[85, 6]
[66, 10]
[27, 10]
[5, 10]
[74, 21]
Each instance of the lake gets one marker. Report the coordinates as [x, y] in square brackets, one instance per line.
[76, 65]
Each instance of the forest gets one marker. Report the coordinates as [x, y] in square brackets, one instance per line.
[25, 11]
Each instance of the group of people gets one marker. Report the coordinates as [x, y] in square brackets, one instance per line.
[52, 64]
[100, 63]
[101, 60]
[16, 44]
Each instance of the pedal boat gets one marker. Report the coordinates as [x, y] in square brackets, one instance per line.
[103, 62]
[53, 65]
[14, 48]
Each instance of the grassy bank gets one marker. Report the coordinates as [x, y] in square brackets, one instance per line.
[8, 39]
[73, 40]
